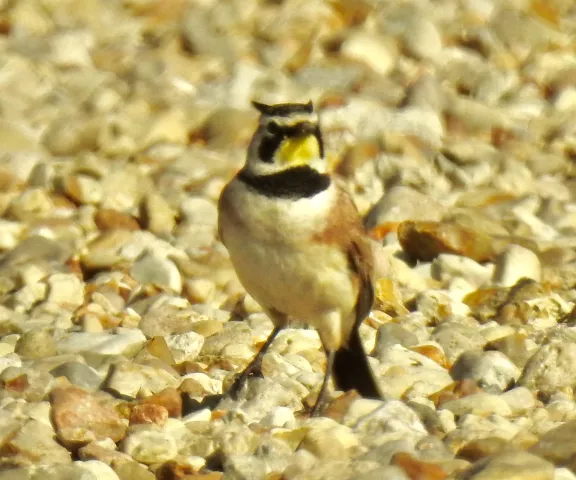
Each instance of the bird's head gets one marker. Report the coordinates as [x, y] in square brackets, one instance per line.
[288, 136]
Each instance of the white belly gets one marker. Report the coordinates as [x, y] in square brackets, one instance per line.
[304, 284]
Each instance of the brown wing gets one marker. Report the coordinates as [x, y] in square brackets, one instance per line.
[360, 258]
[345, 229]
[222, 205]
[226, 211]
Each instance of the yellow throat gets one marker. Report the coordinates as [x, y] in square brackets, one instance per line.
[298, 150]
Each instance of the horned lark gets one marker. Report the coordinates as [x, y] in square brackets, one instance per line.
[297, 243]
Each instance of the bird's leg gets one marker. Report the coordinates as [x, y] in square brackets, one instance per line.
[254, 368]
[320, 400]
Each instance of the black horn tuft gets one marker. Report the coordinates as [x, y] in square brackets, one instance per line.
[283, 109]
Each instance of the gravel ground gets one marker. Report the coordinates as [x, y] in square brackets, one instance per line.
[453, 124]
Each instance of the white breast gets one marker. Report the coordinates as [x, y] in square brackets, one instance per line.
[280, 220]
[269, 244]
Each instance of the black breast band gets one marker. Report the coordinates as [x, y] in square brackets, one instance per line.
[293, 183]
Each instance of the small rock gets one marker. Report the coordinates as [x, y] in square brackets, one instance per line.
[167, 127]
[29, 384]
[148, 444]
[70, 135]
[10, 234]
[157, 215]
[71, 48]
[200, 36]
[148, 414]
[169, 399]
[403, 203]
[512, 466]
[484, 447]
[124, 188]
[417, 468]
[10, 360]
[384, 453]
[199, 290]
[389, 473]
[445, 267]
[130, 379]
[32, 204]
[125, 342]
[235, 438]
[110, 219]
[414, 382]
[17, 137]
[555, 445]
[375, 422]
[263, 394]
[550, 368]
[66, 290]
[118, 132]
[441, 304]
[125, 380]
[185, 346]
[36, 249]
[426, 240]
[78, 374]
[391, 334]
[514, 346]
[375, 51]
[481, 404]
[520, 400]
[233, 333]
[29, 296]
[422, 38]
[327, 439]
[36, 344]
[164, 319]
[486, 368]
[279, 417]
[204, 415]
[199, 211]
[275, 364]
[180, 468]
[103, 451]
[34, 444]
[159, 349]
[104, 251]
[132, 470]
[82, 189]
[228, 127]
[16, 474]
[81, 417]
[456, 338]
[153, 270]
[100, 470]
[304, 468]
[415, 124]
[515, 263]
[241, 467]
[564, 474]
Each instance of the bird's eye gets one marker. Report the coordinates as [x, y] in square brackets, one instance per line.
[273, 128]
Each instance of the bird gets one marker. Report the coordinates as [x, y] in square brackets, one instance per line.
[298, 246]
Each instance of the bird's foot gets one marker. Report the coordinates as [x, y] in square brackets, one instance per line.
[318, 409]
[252, 370]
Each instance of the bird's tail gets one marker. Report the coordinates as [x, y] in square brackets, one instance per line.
[352, 371]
